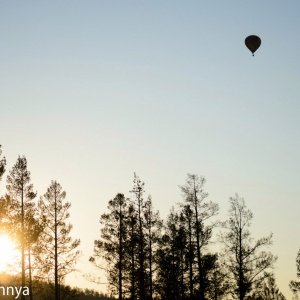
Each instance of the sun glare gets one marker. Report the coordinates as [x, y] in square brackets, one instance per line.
[8, 253]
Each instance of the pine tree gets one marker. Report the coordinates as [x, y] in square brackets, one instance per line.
[215, 278]
[33, 231]
[110, 250]
[171, 259]
[56, 252]
[153, 226]
[21, 190]
[269, 290]
[246, 262]
[203, 210]
[295, 285]
[132, 249]
[138, 201]
[188, 217]
[128, 244]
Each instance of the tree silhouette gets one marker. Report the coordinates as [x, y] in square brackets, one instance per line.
[56, 253]
[246, 262]
[188, 218]
[269, 290]
[129, 228]
[295, 285]
[215, 279]
[21, 190]
[132, 246]
[170, 254]
[203, 210]
[110, 248]
[138, 201]
[33, 231]
[153, 226]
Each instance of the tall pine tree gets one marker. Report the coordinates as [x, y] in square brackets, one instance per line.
[138, 201]
[153, 226]
[110, 250]
[21, 190]
[57, 252]
[195, 197]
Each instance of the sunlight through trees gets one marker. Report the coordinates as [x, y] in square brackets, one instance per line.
[145, 258]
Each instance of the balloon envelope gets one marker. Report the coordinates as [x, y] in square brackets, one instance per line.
[252, 42]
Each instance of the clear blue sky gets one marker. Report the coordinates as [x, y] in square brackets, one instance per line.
[92, 91]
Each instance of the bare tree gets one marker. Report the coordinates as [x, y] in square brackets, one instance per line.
[246, 262]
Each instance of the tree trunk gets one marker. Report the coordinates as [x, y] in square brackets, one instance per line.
[132, 261]
[29, 270]
[141, 252]
[199, 256]
[191, 283]
[55, 249]
[150, 265]
[120, 251]
[182, 272]
[22, 240]
[240, 266]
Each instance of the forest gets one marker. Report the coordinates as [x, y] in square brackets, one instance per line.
[189, 255]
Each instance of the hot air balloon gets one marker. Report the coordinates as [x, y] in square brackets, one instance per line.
[252, 42]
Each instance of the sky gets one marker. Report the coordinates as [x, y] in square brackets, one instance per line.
[93, 91]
